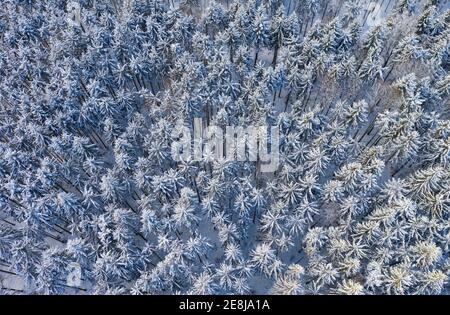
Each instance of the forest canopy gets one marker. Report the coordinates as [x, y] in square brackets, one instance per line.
[92, 200]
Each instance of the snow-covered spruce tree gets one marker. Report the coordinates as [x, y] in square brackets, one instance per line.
[93, 201]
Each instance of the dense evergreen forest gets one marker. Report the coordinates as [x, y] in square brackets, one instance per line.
[92, 200]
